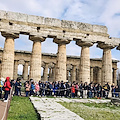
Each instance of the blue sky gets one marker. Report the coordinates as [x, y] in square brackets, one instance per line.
[101, 12]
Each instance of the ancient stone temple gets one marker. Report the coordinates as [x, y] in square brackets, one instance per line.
[61, 67]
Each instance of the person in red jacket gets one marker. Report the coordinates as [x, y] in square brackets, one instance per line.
[73, 90]
[7, 87]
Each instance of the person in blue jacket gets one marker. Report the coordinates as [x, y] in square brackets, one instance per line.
[1, 85]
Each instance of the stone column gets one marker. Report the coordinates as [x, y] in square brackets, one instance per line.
[45, 72]
[61, 60]
[25, 69]
[84, 62]
[8, 55]
[99, 76]
[107, 66]
[50, 74]
[67, 74]
[53, 73]
[15, 69]
[35, 62]
[73, 73]
[106, 63]
[91, 74]
[77, 74]
[114, 76]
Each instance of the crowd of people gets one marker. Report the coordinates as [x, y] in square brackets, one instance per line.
[67, 89]
[58, 89]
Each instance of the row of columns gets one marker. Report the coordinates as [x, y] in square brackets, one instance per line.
[60, 72]
[95, 75]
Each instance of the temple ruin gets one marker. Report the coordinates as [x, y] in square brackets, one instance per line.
[63, 32]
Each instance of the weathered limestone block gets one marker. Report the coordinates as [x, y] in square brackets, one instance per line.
[14, 16]
[2, 14]
[84, 61]
[35, 19]
[76, 25]
[100, 28]
[52, 22]
[8, 55]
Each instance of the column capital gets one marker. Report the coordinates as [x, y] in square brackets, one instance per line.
[61, 41]
[105, 46]
[10, 34]
[37, 38]
[27, 62]
[84, 43]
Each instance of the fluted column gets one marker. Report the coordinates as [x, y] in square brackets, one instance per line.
[115, 76]
[99, 76]
[53, 73]
[78, 74]
[8, 55]
[107, 66]
[50, 74]
[15, 69]
[61, 60]
[45, 72]
[67, 74]
[84, 61]
[91, 74]
[35, 62]
[25, 69]
[73, 73]
[106, 63]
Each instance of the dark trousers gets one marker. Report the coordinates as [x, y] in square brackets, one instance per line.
[27, 92]
[81, 93]
[67, 93]
[76, 92]
[6, 95]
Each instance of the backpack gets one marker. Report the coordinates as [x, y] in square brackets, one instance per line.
[4, 86]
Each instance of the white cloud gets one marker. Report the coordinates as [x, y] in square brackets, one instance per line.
[111, 17]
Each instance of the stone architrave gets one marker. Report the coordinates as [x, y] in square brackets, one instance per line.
[35, 62]
[15, 69]
[91, 74]
[8, 55]
[61, 60]
[84, 61]
[45, 72]
[25, 69]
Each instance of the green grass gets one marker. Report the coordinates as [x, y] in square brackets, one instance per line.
[21, 109]
[94, 111]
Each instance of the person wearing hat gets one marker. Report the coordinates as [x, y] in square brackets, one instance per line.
[1, 85]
